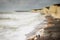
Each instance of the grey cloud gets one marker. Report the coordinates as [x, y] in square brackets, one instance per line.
[25, 4]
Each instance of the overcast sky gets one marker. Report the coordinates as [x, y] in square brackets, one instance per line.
[10, 5]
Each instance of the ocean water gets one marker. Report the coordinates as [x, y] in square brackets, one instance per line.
[14, 26]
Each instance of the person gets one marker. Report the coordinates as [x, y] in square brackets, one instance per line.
[38, 37]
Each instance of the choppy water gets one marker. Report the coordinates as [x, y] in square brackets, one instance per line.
[14, 26]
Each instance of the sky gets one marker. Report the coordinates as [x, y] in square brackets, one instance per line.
[25, 5]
